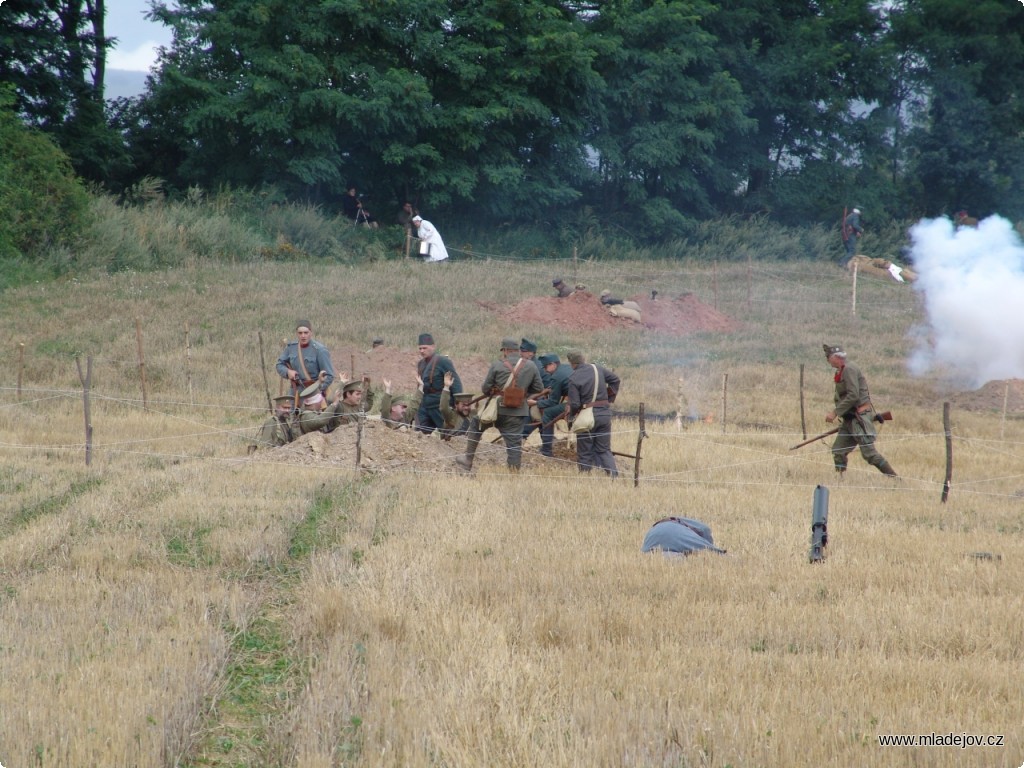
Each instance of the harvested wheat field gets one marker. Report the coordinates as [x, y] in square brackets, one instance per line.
[169, 599]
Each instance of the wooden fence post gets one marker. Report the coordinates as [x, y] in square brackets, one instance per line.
[854, 306]
[142, 360]
[263, 368]
[639, 441]
[803, 418]
[949, 451]
[21, 366]
[86, 384]
[188, 365]
[1006, 399]
[680, 406]
[725, 398]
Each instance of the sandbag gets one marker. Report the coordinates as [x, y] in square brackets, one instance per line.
[619, 310]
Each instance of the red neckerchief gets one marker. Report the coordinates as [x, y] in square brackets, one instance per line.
[303, 346]
[839, 375]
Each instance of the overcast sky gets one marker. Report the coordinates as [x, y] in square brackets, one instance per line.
[137, 39]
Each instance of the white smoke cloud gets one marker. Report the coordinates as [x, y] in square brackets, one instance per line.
[972, 281]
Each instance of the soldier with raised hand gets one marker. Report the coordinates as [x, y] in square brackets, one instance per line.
[853, 406]
[305, 361]
[458, 418]
[397, 411]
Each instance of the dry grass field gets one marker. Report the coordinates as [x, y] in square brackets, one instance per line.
[180, 603]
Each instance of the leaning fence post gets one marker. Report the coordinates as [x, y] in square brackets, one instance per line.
[639, 441]
[803, 418]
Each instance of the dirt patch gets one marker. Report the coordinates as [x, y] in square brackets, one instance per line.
[681, 315]
[991, 396]
[382, 450]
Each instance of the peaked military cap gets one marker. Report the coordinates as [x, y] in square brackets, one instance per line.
[527, 346]
[311, 390]
[352, 385]
[426, 338]
[832, 349]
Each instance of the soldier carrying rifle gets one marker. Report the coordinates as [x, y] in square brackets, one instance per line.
[853, 406]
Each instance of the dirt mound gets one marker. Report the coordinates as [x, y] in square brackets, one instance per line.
[382, 449]
[991, 395]
[582, 310]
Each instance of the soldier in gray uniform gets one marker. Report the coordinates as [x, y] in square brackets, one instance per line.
[510, 418]
[853, 406]
[551, 405]
[593, 386]
[302, 361]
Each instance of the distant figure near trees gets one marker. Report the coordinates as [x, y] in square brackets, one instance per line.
[961, 220]
[431, 245]
[852, 230]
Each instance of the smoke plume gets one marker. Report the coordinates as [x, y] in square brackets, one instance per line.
[972, 282]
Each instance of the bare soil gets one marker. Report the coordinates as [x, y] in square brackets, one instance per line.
[991, 396]
[382, 449]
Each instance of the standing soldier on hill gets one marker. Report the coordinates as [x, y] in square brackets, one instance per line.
[302, 362]
[430, 371]
[852, 230]
[853, 406]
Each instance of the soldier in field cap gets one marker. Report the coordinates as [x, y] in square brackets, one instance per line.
[430, 371]
[305, 361]
[853, 406]
[511, 415]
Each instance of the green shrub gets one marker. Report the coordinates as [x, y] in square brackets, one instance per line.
[42, 203]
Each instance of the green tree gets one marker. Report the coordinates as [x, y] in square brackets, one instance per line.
[55, 57]
[808, 69]
[665, 112]
[966, 148]
[447, 102]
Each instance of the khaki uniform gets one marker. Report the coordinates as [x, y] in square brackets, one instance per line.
[853, 405]
[276, 432]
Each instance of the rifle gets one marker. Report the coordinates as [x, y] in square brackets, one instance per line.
[843, 229]
[879, 417]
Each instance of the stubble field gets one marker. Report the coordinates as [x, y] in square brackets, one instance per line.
[179, 602]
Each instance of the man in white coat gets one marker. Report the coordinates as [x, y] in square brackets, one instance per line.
[431, 245]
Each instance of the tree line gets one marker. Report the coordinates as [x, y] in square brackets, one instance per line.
[642, 116]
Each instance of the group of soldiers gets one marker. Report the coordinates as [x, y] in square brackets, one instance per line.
[529, 392]
[550, 391]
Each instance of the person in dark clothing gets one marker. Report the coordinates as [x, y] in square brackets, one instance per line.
[593, 386]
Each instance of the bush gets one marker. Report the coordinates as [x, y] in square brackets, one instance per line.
[42, 203]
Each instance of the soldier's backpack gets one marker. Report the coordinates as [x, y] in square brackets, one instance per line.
[512, 395]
